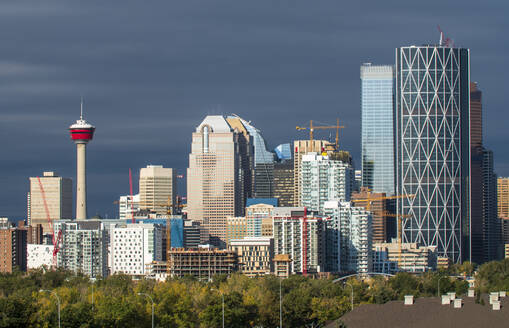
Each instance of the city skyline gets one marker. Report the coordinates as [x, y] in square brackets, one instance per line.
[150, 106]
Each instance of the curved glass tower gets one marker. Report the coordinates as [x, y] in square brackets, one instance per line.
[433, 147]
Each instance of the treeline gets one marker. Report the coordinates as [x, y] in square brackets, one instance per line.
[249, 302]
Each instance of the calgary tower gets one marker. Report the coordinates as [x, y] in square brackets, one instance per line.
[81, 132]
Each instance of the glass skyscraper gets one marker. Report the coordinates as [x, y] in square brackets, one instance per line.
[377, 128]
[433, 147]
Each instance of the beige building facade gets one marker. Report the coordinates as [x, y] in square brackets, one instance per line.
[58, 195]
[216, 175]
[157, 189]
[503, 197]
[255, 255]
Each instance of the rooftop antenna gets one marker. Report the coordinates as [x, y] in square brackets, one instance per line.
[81, 111]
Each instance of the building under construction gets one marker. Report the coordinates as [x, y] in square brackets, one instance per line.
[201, 263]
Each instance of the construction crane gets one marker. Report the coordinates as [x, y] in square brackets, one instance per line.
[56, 240]
[444, 41]
[385, 213]
[312, 128]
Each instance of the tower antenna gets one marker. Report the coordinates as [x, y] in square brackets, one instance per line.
[81, 110]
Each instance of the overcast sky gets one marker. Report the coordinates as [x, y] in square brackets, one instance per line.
[151, 70]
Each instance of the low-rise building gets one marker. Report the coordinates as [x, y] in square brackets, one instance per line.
[255, 255]
[39, 255]
[202, 263]
[282, 265]
[393, 257]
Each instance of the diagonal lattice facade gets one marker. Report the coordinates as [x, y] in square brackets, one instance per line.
[432, 144]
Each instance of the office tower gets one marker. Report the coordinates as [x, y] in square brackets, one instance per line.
[13, 249]
[236, 228]
[378, 209]
[485, 229]
[81, 133]
[432, 147]
[84, 247]
[216, 176]
[323, 178]
[57, 192]
[301, 148]
[377, 126]
[133, 246]
[128, 206]
[263, 177]
[503, 197]
[349, 241]
[157, 189]
[283, 183]
[255, 255]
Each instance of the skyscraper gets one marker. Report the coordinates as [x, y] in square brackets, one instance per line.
[215, 177]
[485, 230]
[503, 197]
[283, 183]
[433, 147]
[157, 187]
[377, 125]
[263, 161]
[56, 192]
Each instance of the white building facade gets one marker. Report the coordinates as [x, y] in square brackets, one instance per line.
[133, 246]
[323, 179]
[349, 242]
[39, 255]
[127, 206]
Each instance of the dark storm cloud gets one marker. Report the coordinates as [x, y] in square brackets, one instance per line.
[150, 72]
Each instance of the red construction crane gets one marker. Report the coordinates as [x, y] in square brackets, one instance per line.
[55, 240]
[444, 42]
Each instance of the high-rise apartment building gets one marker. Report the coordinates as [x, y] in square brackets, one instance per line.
[304, 242]
[301, 148]
[13, 249]
[133, 246]
[377, 125]
[56, 192]
[216, 175]
[349, 241]
[157, 188]
[84, 247]
[323, 178]
[259, 220]
[433, 147]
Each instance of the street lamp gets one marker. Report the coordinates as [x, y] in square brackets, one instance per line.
[222, 298]
[280, 306]
[351, 298]
[58, 302]
[147, 295]
[438, 289]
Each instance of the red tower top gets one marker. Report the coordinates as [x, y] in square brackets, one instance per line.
[81, 131]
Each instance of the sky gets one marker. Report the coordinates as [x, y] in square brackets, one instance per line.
[151, 71]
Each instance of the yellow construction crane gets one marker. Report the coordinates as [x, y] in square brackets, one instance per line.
[312, 128]
[387, 214]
